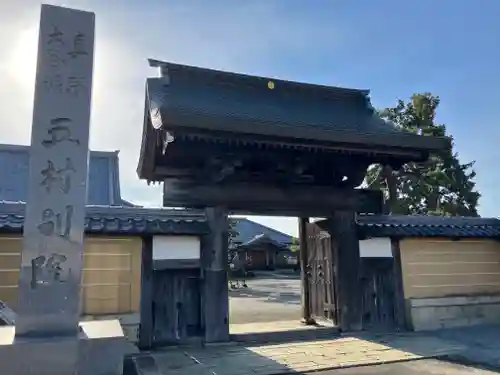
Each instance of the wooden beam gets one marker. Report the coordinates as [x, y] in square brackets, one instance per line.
[304, 282]
[248, 199]
[346, 244]
[399, 298]
[214, 259]
[146, 309]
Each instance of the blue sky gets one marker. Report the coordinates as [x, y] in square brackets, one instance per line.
[394, 48]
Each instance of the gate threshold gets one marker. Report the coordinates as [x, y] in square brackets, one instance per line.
[282, 331]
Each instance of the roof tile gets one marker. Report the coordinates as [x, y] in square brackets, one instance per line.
[247, 230]
[119, 220]
[428, 226]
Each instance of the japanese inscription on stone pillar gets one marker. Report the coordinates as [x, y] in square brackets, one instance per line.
[52, 257]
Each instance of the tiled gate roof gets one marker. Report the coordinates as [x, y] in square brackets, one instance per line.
[119, 220]
[428, 226]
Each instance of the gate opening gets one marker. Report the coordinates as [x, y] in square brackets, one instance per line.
[265, 291]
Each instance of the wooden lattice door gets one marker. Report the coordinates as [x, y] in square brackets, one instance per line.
[377, 280]
[176, 306]
[320, 270]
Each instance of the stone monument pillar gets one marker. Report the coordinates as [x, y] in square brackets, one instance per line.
[48, 338]
[52, 257]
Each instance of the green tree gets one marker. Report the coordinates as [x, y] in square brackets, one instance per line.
[295, 246]
[439, 186]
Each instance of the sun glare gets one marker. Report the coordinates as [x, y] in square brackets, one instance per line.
[22, 59]
[21, 66]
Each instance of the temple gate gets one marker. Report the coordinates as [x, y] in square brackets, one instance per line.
[236, 144]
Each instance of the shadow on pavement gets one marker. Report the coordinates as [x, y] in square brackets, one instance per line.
[225, 361]
[301, 357]
[477, 347]
[482, 344]
[237, 360]
[446, 352]
[460, 359]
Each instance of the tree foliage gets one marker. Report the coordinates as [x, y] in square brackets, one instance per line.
[440, 186]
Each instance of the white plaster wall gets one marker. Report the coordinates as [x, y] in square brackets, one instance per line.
[176, 247]
[375, 248]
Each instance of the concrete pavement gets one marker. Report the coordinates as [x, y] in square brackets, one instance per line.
[270, 296]
[272, 303]
[418, 367]
[301, 357]
[483, 344]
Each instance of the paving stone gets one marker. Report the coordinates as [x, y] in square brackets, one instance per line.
[307, 356]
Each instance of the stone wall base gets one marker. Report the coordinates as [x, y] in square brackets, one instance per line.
[100, 349]
[451, 312]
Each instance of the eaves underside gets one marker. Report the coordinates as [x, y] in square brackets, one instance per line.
[155, 153]
[185, 122]
[274, 143]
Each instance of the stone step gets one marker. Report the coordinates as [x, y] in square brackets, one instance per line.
[286, 336]
[140, 364]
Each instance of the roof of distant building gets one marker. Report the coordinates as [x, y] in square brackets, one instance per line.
[246, 230]
[262, 241]
[104, 176]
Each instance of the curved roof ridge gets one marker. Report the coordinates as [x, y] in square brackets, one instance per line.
[268, 229]
[262, 238]
[252, 78]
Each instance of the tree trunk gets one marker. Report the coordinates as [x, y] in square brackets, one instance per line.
[433, 201]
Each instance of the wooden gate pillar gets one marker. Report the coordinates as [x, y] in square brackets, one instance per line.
[304, 282]
[146, 329]
[345, 243]
[214, 260]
